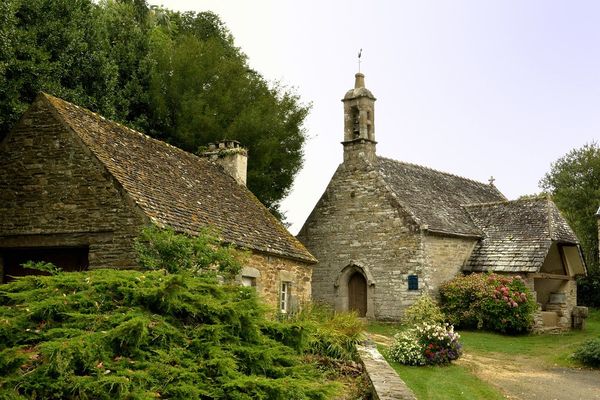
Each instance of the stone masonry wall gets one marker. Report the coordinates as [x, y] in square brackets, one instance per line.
[271, 271]
[356, 223]
[54, 193]
[445, 257]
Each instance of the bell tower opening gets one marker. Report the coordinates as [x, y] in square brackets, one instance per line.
[355, 123]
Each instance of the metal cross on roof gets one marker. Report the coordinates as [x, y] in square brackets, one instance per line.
[359, 55]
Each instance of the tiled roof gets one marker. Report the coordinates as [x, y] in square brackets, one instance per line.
[518, 234]
[178, 189]
[434, 198]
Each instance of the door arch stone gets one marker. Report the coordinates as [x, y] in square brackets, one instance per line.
[351, 279]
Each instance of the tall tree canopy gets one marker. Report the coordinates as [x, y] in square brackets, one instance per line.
[574, 183]
[176, 76]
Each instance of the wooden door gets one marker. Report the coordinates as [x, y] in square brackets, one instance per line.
[357, 294]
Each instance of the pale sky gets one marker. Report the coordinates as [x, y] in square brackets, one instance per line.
[475, 88]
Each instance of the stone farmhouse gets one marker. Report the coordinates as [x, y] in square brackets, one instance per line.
[76, 189]
[385, 231]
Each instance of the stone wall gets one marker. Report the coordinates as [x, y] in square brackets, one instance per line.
[357, 225]
[541, 287]
[270, 272]
[445, 257]
[55, 193]
[385, 382]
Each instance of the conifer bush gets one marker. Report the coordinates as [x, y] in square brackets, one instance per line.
[488, 301]
[157, 333]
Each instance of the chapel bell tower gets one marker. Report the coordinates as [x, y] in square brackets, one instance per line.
[359, 122]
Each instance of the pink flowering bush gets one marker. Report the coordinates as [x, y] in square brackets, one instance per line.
[489, 301]
[426, 344]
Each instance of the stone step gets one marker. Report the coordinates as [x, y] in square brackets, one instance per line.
[550, 318]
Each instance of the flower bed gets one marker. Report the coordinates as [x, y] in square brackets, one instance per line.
[426, 344]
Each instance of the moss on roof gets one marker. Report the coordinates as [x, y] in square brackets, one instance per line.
[517, 234]
[177, 189]
[434, 198]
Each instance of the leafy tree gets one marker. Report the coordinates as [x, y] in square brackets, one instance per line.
[177, 76]
[54, 46]
[574, 183]
[202, 90]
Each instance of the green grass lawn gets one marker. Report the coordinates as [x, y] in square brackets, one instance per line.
[383, 328]
[549, 348]
[449, 382]
[457, 382]
[443, 382]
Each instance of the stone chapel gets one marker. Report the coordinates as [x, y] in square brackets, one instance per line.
[385, 231]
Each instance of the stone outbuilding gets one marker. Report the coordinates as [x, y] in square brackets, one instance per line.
[76, 189]
[530, 237]
[385, 231]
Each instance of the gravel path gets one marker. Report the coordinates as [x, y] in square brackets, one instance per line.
[525, 378]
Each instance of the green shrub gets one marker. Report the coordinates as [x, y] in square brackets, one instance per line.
[43, 267]
[164, 249]
[423, 310]
[172, 333]
[588, 289]
[488, 301]
[326, 333]
[589, 353]
[431, 344]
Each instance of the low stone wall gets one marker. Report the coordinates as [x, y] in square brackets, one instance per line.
[385, 382]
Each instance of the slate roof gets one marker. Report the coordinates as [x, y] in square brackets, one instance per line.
[178, 189]
[434, 198]
[518, 234]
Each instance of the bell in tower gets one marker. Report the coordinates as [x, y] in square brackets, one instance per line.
[359, 127]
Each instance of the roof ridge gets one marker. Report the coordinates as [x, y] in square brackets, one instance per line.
[550, 220]
[437, 170]
[490, 203]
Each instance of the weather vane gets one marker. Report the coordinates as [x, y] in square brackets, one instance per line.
[359, 55]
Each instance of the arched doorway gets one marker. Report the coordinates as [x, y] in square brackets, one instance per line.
[357, 294]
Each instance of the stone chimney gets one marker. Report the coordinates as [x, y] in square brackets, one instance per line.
[231, 156]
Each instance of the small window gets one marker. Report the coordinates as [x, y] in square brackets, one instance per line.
[413, 282]
[248, 281]
[284, 297]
